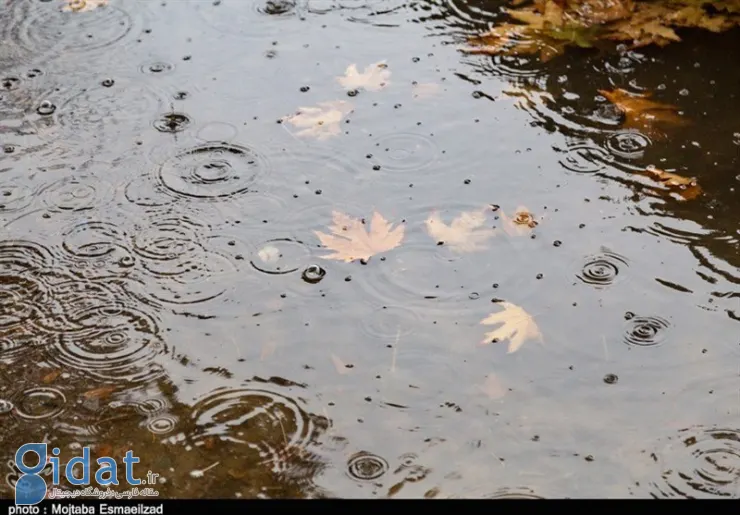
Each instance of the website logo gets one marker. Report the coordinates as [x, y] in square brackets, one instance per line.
[31, 488]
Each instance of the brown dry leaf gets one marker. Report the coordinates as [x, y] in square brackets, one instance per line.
[237, 474]
[641, 113]
[546, 31]
[79, 6]
[339, 365]
[521, 224]
[492, 387]
[686, 187]
[320, 122]
[350, 240]
[600, 11]
[99, 393]
[51, 376]
[647, 25]
[695, 16]
[510, 39]
[375, 77]
[466, 233]
[517, 326]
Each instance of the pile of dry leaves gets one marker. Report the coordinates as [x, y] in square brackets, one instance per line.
[547, 27]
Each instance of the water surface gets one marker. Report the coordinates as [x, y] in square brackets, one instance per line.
[158, 224]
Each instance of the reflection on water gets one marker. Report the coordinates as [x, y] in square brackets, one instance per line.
[163, 288]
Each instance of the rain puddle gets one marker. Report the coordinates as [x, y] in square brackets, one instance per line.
[311, 249]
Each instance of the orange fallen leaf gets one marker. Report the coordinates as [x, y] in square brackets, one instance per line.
[350, 240]
[99, 393]
[51, 376]
[642, 113]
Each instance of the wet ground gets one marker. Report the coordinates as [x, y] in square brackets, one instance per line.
[163, 288]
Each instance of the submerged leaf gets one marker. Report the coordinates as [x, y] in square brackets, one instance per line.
[464, 234]
[516, 326]
[350, 241]
[642, 113]
[375, 77]
[492, 387]
[687, 188]
[321, 122]
[99, 393]
[51, 376]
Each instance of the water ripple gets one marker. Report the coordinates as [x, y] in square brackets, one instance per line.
[646, 331]
[364, 466]
[77, 193]
[602, 270]
[36, 28]
[699, 463]
[212, 171]
[39, 403]
[269, 428]
[99, 113]
[111, 343]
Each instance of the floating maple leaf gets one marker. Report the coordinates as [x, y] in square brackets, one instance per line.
[642, 113]
[374, 78]
[350, 240]
[321, 122]
[465, 234]
[517, 326]
[79, 6]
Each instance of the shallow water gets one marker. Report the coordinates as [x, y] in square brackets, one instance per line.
[158, 222]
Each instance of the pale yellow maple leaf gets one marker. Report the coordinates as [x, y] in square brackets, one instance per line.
[517, 326]
[321, 122]
[350, 241]
[375, 77]
[79, 6]
[464, 234]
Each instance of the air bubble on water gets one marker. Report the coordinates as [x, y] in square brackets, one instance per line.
[5, 406]
[313, 274]
[46, 108]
